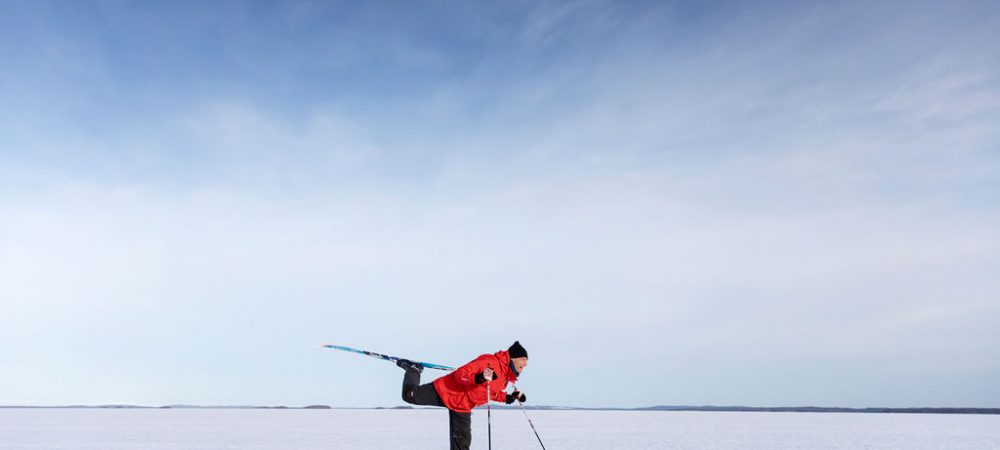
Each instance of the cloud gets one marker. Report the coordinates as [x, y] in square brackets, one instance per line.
[700, 214]
[609, 259]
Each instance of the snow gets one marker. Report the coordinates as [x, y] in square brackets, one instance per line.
[181, 429]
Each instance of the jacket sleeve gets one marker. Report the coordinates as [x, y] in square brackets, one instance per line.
[466, 375]
[499, 395]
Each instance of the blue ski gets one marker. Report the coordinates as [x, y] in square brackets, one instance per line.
[387, 357]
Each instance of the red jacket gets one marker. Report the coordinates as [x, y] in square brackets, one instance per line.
[459, 391]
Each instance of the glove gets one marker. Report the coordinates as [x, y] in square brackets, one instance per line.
[481, 377]
[519, 396]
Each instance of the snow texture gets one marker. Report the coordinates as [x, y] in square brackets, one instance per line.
[181, 429]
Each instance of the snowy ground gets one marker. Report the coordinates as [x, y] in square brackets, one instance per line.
[25, 429]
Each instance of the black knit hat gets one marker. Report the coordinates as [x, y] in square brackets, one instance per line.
[516, 351]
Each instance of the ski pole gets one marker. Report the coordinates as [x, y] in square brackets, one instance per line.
[489, 425]
[519, 402]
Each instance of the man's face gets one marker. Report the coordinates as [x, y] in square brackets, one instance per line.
[519, 364]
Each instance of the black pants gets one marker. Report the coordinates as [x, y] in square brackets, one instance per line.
[460, 424]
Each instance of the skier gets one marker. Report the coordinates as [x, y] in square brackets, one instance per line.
[465, 388]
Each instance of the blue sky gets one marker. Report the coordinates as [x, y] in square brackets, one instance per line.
[757, 203]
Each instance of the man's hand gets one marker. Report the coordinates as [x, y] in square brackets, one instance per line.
[517, 395]
[486, 375]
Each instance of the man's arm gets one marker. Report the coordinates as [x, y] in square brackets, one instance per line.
[498, 395]
[466, 374]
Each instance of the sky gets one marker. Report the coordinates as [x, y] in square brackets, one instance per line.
[667, 203]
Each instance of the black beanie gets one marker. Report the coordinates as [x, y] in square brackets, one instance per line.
[516, 351]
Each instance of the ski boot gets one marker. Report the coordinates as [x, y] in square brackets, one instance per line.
[409, 365]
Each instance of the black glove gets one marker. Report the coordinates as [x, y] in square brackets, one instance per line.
[519, 396]
[480, 378]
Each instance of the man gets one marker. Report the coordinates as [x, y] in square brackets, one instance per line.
[465, 388]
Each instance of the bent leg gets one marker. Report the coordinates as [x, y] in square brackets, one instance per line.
[461, 430]
[417, 394]
[411, 379]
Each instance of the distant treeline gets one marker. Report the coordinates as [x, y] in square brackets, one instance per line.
[821, 409]
[807, 409]
[167, 407]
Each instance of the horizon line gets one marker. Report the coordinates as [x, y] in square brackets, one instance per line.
[655, 408]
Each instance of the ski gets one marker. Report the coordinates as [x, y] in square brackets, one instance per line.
[387, 357]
